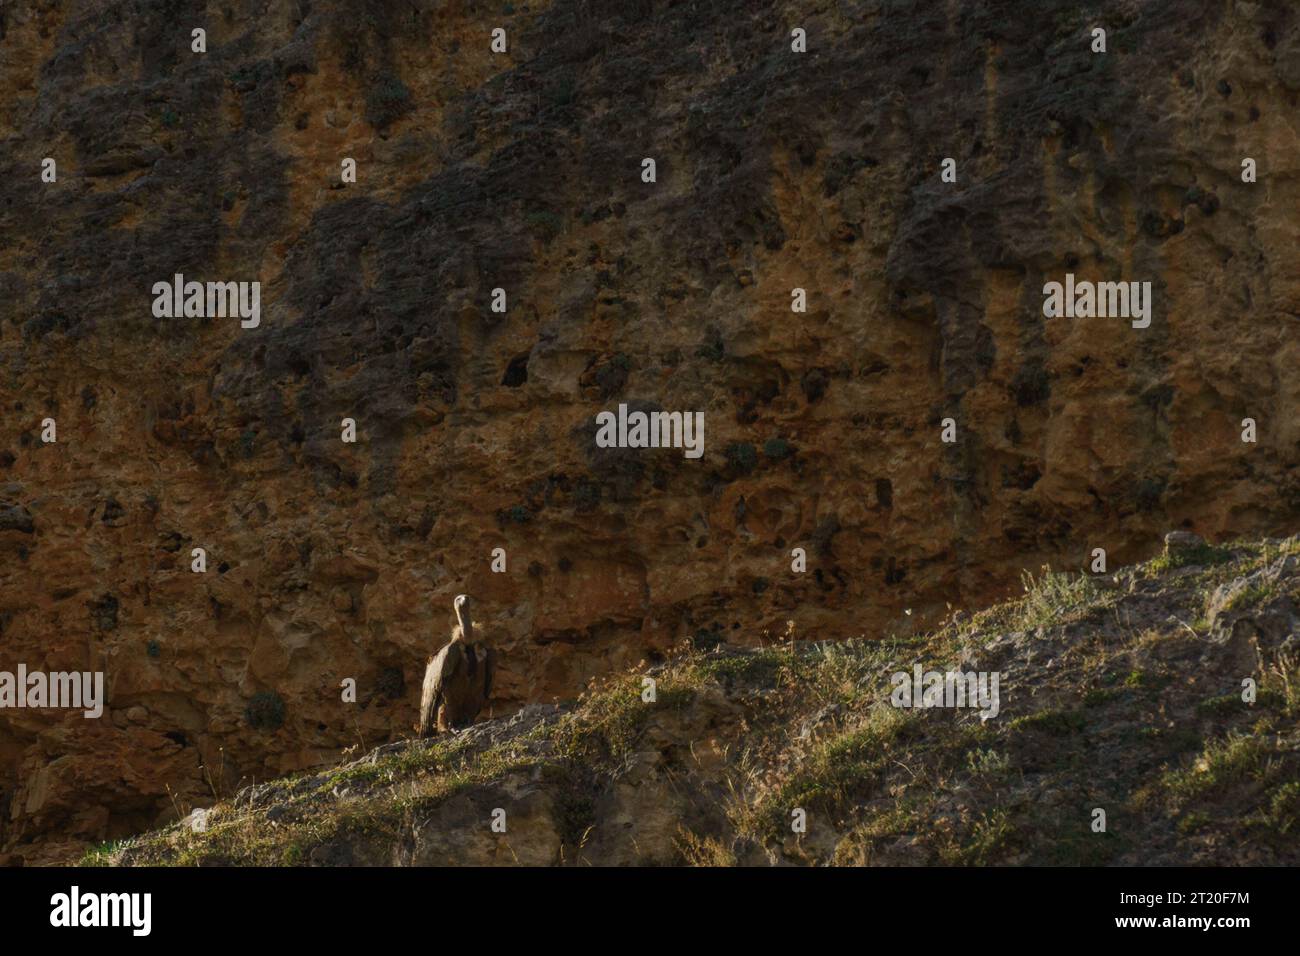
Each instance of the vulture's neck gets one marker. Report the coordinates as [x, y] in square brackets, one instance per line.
[466, 630]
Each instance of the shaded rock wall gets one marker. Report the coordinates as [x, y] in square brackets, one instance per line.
[521, 171]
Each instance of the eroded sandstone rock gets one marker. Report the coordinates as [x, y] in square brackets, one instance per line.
[776, 171]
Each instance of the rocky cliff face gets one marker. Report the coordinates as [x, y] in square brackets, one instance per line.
[522, 171]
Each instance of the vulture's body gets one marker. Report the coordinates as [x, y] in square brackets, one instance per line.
[457, 680]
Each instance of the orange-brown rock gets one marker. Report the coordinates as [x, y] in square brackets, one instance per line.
[521, 171]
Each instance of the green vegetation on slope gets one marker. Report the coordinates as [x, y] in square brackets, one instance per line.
[1116, 694]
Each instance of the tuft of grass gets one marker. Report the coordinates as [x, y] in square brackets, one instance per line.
[987, 763]
[1058, 723]
[1143, 680]
[1222, 706]
[103, 854]
[988, 837]
[703, 851]
[1068, 847]
[761, 668]
[1279, 684]
[1100, 696]
[910, 815]
[604, 730]
[842, 769]
[1054, 597]
[1254, 594]
[1205, 555]
[1223, 763]
[1284, 808]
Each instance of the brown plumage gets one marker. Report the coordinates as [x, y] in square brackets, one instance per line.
[458, 679]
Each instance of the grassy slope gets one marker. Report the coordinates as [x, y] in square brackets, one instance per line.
[1117, 692]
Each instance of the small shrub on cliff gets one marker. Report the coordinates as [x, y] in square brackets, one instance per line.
[742, 457]
[543, 224]
[814, 383]
[713, 349]
[517, 514]
[387, 100]
[103, 612]
[265, 711]
[776, 449]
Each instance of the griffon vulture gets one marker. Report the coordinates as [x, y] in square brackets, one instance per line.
[458, 679]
